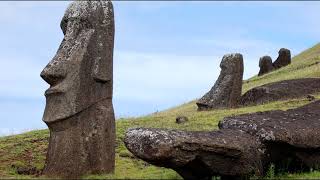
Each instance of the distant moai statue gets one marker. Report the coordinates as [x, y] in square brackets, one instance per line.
[265, 64]
[226, 92]
[283, 59]
[79, 110]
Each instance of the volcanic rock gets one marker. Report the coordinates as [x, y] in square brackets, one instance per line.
[282, 90]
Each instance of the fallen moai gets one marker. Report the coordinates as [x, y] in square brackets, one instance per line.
[245, 145]
[291, 138]
[226, 91]
[265, 64]
[79, 110]
[197, 155]
[282, 90]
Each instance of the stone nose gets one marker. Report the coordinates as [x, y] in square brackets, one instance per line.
[54, 72]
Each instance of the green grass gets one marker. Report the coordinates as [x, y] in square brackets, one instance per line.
[29, 149]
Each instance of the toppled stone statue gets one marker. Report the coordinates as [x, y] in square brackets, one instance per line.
[226, 91]
[197, 155]
[283, 59]
[291, 138]
[245, 145]
[265, 64]
[282, 90]
[79, 110]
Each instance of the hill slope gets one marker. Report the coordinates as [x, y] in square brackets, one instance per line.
[28, 150]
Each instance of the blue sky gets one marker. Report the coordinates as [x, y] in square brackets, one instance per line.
[166, 53]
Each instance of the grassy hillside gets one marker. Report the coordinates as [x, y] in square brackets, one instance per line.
[29, 149]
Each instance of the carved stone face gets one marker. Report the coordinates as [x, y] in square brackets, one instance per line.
[231, 62]
[80, 74]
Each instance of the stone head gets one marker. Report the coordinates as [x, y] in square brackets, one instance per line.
[283, 52]
[232, 63]
[265, 61]
[81, 72]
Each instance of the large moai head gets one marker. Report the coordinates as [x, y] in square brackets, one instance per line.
[265, 64]
[80, 74]
[283, 59]
[226, 91]
[79, 110]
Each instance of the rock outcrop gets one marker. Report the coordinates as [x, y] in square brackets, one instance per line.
[265, 64]
[226, 91]
[282, 90]
[283, 59]
[79, 110]
[245, 145]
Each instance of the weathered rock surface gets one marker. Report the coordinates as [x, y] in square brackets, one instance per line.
[283, 59]
[291, 137]
[79, 110]
[282, 90]
[197, 155]
[245, 145]
[226, 91]
[265, 64]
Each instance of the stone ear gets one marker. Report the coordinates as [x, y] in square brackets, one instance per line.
[101, 70]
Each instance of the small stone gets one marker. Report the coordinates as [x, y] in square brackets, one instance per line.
[30, 170]
[310, 98]
[181, 119]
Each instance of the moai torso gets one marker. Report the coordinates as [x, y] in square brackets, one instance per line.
[79, 110]
[226, 92]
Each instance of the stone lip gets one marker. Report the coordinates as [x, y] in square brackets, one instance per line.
[282, 90]
[227, 89]
[245, 145]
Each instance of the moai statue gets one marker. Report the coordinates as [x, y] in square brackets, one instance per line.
[265, 64]
[226, 92]
[283, 59]
[79, 110]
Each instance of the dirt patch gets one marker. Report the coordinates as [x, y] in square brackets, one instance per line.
[282, 90]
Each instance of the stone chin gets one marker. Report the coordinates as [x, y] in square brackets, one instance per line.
[57, 108]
